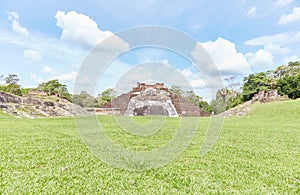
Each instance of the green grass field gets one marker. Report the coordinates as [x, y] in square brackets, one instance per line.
[255, 154]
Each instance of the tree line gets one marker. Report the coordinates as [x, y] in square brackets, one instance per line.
[285, 78]
[10, 84]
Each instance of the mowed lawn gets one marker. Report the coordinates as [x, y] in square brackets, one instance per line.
[255, 154]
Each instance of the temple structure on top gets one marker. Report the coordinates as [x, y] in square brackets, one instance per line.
[153, 99]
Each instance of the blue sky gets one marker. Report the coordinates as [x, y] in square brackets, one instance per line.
[43, 40]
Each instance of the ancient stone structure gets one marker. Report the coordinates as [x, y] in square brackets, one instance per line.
[34, 92]
[37, 92]
[270, 96]
[153, 99]
[261, 96]
[32, 107]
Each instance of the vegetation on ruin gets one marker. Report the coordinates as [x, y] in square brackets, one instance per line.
[285, 78]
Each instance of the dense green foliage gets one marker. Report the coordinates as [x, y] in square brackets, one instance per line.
[106, 96]
[284, 78]
[26, 90]
[288, 82]
[55, 87]
[255, 83]
[289, 85]
[205, 106]
[52, 87]
[84, 99]
[255, 154]
[11, 84]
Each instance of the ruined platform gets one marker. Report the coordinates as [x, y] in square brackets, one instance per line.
[154, 99]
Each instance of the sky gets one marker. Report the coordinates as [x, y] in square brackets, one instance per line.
[44, 40]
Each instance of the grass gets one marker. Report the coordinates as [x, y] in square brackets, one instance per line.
[255, 154]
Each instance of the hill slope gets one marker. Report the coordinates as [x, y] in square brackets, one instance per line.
[269, 109]
[286, 109]
[38, 106]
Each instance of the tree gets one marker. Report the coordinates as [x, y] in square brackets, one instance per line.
[254, 83]
[84, 99]
[106, 96]
[204, 106]
[55, 87]
[192, 97]
[289, 85]
[289, 80]
[234, 100]
[11, 84]
[225, 99]
[231, 84]
[217, 105]
[176, 90]
[14, 89]
[11, 79]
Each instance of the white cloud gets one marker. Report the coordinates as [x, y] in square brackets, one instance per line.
[80, 28]
[32, 54]
[289, 18]
[283, 2]
[47, 69]
[278, 43]
[296, 37]
[226, 57]
[36, 78]
[16, 26]
[50, 47]
[291, 59]
[197, 83]
[193, 77]
[67, 76]
[279, 39]
[260, 59]
[251, 12]
[275, 49]
[58, 75]
[186, 72]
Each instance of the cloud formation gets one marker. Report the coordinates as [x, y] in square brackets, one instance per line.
[280, 39]
[275, 49]
[80, 28]
[283, 2]
[251, 12]
[226, 57]
[293, 58]
[260, 59]
[289, 18]
[32, 54]
[16, 26]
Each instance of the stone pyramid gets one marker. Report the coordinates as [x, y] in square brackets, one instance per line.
[154, 99]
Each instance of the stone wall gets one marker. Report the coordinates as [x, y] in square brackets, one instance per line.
[270, 96]
[31, 107]
[152, 99]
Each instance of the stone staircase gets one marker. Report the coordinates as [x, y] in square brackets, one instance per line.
[190, 109]
[121, 102]
[186, 108]
[182, 106]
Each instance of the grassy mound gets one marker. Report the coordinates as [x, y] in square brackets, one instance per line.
[277, 109]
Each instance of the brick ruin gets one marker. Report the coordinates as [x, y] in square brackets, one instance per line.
[152, 99]
[270, 96]
[34, 92]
